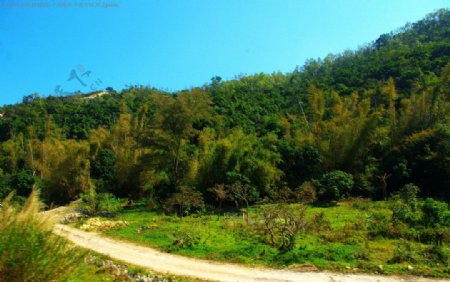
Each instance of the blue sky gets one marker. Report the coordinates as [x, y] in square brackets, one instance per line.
[178, 44]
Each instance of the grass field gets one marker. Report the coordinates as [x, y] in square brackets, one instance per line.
[345, 244]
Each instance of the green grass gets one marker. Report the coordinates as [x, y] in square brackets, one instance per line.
[345, 245]
[86, 272]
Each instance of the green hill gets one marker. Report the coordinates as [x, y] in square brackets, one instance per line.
[379, 113]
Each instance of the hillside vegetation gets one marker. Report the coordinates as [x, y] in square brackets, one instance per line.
[379, 114]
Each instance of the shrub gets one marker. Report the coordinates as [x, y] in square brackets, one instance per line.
[100, 204]
[408, 194]
[435, 213]
[319, 223]
[437, 217]
[378, 225]
[405, 205]
[334, 185]
[437, 254]
[184, 239]
[280, 225]
[184, 201]
[283, 194]
[29, 251]
[403, 253]
[361, 204]
[307, 193]
[107, 203]
[402, 213]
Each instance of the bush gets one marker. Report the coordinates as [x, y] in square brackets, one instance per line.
[29, 251]
[408, 194]
[184, 239]
[307, 193]
[437, 254]
[429, 222]
[405, 205]
[319, 223]
[403, 253]
[283, 194]
[361, 204]
[379, 225]
[184, 201]
[334, 185]
[280, 225]
[100, 204]
[402, 213]
[435, 213]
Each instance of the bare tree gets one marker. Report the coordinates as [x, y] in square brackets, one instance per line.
[241, 193]
[384, 179]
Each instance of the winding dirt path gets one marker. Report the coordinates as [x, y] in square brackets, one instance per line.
[178, 265]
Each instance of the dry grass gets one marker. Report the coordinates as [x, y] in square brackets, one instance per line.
[29, 251]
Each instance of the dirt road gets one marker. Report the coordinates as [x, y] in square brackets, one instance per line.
[174, 264]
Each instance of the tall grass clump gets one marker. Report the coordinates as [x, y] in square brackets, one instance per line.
[29, 251]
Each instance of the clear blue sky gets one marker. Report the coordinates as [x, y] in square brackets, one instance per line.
[178, 44]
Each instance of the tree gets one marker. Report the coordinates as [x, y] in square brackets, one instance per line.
[68, 175]
[23, 182]
[125, 147]
[174, 122]
[104, 166]
[240, 157]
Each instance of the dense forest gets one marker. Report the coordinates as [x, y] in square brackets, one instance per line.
[362, 123]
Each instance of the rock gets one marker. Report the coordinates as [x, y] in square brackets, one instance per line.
[410, 268]
[72, 217]
[120, 271]
[307, 267]
[348, 267]
[98, 224]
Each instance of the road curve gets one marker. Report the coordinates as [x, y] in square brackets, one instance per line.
[178, 265]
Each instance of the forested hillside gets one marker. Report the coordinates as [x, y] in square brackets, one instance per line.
[360, 123]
